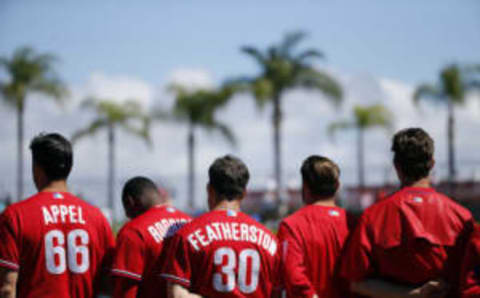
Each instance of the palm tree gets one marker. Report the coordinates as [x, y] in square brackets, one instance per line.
[449, 90]
[197, 109]
[364, 118]
[283, 69]
[29, 72]
[111, 116]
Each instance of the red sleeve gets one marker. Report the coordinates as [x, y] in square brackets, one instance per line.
[177, 266]
[109, 246]
[295, 279]
[125, 288]
[9, 244]
[470, 276]
[129, 256]
[356, 262]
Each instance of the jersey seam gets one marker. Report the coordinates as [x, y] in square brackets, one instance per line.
[126, 273]
[9, 264]
[175, 278]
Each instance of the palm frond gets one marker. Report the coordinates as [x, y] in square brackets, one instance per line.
[316, 80]
[52, 87]
[290, 40]
[225, 131]
[91, 129]
[427, 91]
[255, 54]
[142, 132]
[373, 116]
[308, 54]
[339, 125]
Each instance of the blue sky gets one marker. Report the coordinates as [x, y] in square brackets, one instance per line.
[379, 51]
[405, 40]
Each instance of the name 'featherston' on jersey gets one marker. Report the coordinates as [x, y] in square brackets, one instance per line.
[224, 253]
[139, 251]
[58, 243]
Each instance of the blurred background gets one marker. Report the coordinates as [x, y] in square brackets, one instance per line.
[162, 88]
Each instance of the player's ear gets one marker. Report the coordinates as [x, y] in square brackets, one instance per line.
[244, 194]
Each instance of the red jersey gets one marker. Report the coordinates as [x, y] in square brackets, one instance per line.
[58, 243]
[470, 280]
[415, 235]
[311, 241]
[224, 253]
[139, 245]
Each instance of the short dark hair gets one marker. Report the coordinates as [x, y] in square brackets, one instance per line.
[54, 154]
[321, 175]
[413, 153]
[228, 176]
[136, 186]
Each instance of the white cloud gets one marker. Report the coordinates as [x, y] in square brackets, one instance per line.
[192, 78]
[119, 88]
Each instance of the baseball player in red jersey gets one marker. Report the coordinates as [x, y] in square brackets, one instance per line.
[223, 253]
[53, 244]
[312, 238]
[470, 280]
[415, 235]
[140, 241]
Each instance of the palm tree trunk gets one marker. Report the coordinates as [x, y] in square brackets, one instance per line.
[277, 150]
[452, 171]
[20, 131]
[111, 169]
[361, 158]
[191, 167]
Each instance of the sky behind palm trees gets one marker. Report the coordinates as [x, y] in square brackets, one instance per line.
[379, 50]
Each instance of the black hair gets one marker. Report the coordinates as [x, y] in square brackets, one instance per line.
[321, 175]
[228, 176]
[136, 186]
[54, 154]
[413, 153]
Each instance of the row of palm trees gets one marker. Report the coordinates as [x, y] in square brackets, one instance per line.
[282, 67]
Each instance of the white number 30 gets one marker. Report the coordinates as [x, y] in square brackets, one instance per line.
[55, 256]
[226, 282]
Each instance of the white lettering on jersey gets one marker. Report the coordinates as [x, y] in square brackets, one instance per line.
[165, 228]
[232, 231]
[62, 214]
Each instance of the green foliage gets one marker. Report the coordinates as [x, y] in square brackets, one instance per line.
[453, 83]
[30, 72]
[365, 117]
[128, 116]
[198, 107]
[282, 68]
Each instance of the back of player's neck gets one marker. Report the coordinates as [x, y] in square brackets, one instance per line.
[422, 183]
[228, 205]
[56, 186]
[330, 202]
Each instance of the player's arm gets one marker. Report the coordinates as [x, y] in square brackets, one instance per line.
[8, 283]
[293, 269]
[9, 254]
[356, 260]
[378, 288]
[106, 286]
[128, 264]
[124, 287]
[178, 291]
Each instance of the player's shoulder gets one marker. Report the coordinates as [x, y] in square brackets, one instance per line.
[317, 212]
[391, 204]
[173, 212]
[458, 209]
